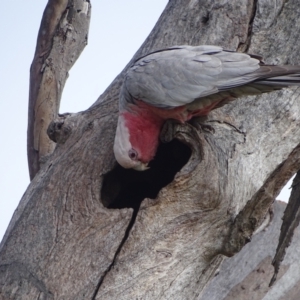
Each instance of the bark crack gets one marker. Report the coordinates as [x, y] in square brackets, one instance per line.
[290, 222]
[244, 47]
[253, 214]
[126, 235]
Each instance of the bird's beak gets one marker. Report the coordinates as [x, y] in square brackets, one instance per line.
[141, 167]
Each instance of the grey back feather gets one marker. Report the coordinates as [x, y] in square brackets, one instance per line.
[181, 74]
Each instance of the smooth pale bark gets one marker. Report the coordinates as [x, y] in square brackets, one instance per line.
[68, 245]
[62, 37]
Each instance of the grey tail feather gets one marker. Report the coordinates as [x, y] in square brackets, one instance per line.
[280, 76]
[282, 81]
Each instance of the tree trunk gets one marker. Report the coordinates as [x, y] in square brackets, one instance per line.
[88, 229]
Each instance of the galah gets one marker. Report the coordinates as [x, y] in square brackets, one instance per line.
[180, 83]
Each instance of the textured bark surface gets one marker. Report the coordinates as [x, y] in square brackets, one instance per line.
[247, 275]
[290, 222]
[72, 236]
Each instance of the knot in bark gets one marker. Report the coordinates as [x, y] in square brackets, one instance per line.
[58, 131]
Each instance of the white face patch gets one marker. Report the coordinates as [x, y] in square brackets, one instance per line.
[122, 144]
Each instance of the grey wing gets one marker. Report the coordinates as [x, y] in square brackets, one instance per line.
[181, 74]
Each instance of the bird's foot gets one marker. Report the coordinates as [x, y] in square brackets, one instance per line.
[198, 123]
[188, 135]
[169, 130]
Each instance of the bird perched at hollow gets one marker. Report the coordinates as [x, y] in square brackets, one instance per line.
[180, 83]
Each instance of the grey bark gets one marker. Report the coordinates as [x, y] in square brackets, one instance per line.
[247, 274]
[290, 222]
[64, 243]
[62, 37]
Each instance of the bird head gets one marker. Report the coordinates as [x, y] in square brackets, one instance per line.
[126, 154]
[136, 141]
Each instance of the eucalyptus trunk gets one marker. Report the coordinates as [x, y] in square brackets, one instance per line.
[88, 229]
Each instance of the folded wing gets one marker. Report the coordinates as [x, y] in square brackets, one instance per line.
[177, 76]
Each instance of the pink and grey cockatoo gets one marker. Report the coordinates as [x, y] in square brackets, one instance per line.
[180, 83]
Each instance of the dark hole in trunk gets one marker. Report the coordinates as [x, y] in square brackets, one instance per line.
[127, 188]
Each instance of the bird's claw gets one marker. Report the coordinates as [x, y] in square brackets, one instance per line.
[171, 128]
[168, 131]
[199, 124]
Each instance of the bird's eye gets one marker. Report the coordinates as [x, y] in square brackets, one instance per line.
[133, 154]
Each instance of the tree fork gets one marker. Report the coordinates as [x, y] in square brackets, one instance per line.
[66, 231]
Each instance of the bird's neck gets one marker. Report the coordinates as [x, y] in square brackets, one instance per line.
[144, 128]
